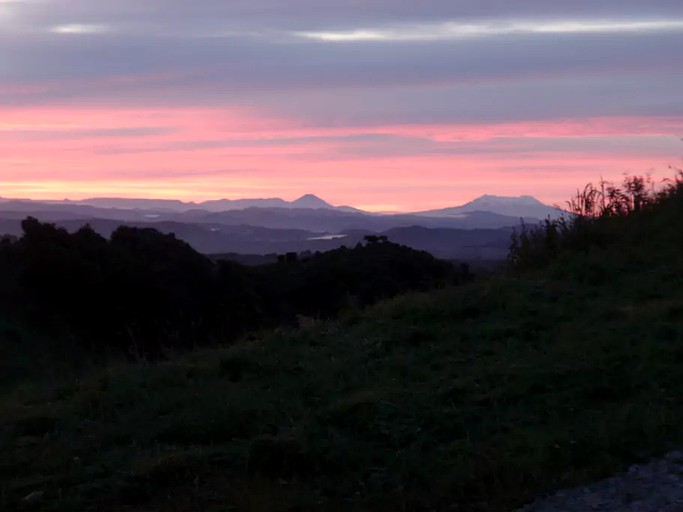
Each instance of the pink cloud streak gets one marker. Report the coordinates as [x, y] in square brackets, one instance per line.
[208, 153]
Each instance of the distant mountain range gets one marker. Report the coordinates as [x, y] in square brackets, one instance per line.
[308, 201]
[520, 207]
[479, 229]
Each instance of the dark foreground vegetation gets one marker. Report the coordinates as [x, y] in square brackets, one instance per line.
[474, 398]
[145, 294]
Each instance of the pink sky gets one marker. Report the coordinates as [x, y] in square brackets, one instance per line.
[379, 104]
[198, 154]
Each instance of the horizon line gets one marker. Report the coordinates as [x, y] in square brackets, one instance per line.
[362, 208]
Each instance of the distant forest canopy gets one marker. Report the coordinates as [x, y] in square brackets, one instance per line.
[144, 293]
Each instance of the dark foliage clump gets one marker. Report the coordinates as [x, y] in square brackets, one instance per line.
[144, 293]
[328, 282]
[604, 223]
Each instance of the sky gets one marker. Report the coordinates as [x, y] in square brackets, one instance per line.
[387, 105]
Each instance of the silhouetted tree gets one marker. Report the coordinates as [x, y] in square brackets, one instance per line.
[142, 292]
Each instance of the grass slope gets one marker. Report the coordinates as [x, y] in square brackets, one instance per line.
[476, 398]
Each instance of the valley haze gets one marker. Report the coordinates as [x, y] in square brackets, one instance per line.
[477, 230]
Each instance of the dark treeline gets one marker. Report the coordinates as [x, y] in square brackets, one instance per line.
[142, 292]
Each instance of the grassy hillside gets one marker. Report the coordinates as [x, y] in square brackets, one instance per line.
[476, 398]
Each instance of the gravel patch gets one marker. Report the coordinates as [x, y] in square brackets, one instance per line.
[653, 487]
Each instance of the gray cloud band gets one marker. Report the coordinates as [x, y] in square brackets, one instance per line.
[429, 61]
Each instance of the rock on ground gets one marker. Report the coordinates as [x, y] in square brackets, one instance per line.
[653, 487]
